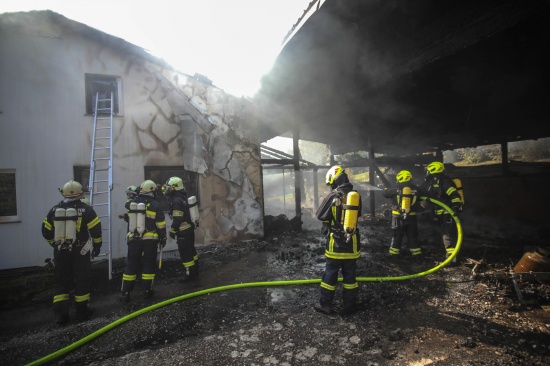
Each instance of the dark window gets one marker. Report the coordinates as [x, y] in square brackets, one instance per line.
[102, 85]
[8, 194]
[160, 174]
[82, 176]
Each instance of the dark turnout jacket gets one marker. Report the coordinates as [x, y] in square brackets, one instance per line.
[339, 244]
[87, 223]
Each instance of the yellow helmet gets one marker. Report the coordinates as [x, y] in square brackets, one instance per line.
[176, 183]
[333, 173]
[404, 176]
[131, 191]
[71, 189]
[435, 167]
[173, 184]
[147, 186]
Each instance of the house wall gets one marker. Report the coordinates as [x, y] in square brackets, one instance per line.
[167, 119]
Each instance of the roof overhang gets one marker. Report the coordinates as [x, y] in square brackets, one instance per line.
[412, 76]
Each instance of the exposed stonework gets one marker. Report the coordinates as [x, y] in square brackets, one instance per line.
[217, 137]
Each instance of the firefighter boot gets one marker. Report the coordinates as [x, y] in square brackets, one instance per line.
[83, 311]
[325, 309]
[148, 294]
[194, 271]
[124, 296]
[61, 312]
[188, 275]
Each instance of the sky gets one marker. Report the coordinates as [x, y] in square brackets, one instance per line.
[232, 42]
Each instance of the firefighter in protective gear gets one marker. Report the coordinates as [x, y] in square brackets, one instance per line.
[142, 247]
[72, 264]
[439, 186]
[182, 228]
[406, 197]
[131, 193]
[342, 248]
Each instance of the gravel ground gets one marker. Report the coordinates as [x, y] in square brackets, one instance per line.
[447, 318]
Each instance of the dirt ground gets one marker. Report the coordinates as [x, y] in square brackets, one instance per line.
[447, 318]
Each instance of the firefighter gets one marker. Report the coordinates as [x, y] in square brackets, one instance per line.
[342, 247]
[67, 228]
[143, 240]
[131, 193]
[439, 186]
[406, 196]
[183, 227]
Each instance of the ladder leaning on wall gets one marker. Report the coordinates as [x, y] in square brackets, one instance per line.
[101, 170]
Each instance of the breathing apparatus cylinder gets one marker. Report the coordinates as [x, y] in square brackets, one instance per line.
[193, 209]
[140, 222]
[132, 217]
[59, 221]
[458, 184]
[70, 226]
[351, 212]
[406, 200]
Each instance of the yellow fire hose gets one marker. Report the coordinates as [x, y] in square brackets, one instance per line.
[124, 319]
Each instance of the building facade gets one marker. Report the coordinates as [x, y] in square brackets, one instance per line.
[165, 123]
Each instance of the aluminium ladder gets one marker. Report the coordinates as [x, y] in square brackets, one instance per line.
[101, 169]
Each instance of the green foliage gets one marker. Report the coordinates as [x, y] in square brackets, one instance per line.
[479, 154]
[530, 150]
[527, 150]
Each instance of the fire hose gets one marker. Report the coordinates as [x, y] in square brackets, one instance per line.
[161, 304]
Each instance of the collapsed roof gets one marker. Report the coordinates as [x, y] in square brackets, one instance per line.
[413, 76]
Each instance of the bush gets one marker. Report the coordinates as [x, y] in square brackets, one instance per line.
[480, 154]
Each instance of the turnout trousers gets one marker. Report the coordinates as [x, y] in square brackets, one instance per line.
[188, 252]
[141, 260]
[73, 271]
[448, 232]
[404, 228]
[330, 279]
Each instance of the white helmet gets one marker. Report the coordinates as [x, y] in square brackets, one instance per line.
[131, 191]
[173, 184]
[148, 186]
[333, 173]
[71, 189]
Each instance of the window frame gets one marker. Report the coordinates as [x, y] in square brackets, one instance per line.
[90, 91]
[11, 218]
[81, 174]
[190, 181]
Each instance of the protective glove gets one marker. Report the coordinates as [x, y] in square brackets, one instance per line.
[172, 235]
[96, 251]
[162, 243]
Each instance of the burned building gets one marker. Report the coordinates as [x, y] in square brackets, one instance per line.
[405, 81]
[164, 123]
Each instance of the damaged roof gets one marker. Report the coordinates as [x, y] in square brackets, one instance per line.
[13, 22]
[409, 77]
